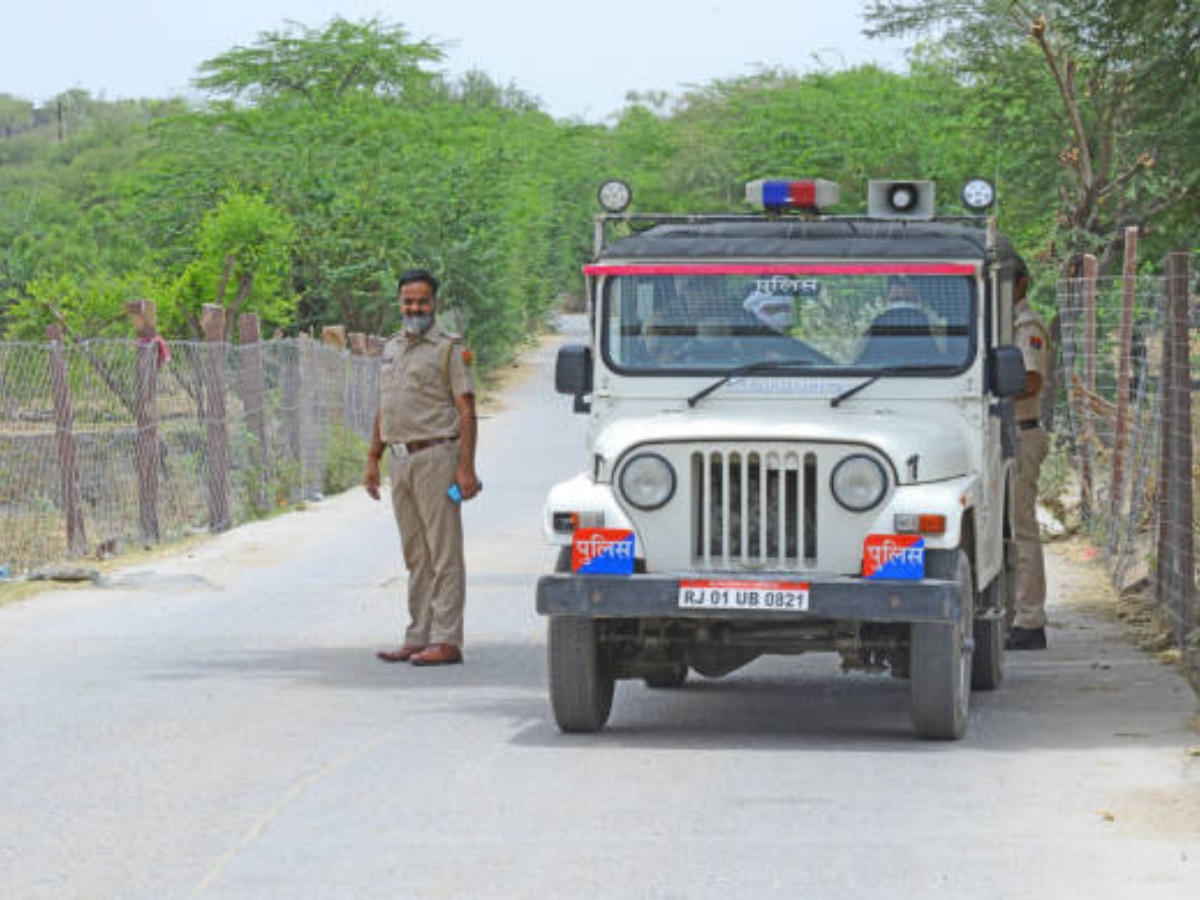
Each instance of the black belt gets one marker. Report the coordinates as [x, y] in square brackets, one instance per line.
[418, 446]
[1028, 424]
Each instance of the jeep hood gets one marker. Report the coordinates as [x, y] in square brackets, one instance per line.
[939, 445]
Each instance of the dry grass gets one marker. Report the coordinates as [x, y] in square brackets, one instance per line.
[76, 569]
[1087, 586]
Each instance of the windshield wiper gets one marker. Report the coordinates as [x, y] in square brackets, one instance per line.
[874, 377]
[778, 365]
[864, 384]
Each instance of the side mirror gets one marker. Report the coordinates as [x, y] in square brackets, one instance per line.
[573, 373]
[1006, 371]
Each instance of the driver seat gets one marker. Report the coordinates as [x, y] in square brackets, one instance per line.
[900, 336]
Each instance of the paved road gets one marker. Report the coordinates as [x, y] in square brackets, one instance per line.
[214, 724]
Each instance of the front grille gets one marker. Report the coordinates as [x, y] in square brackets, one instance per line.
[754, 508]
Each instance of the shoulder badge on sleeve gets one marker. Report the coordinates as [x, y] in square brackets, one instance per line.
[457, 341]
[1035, 342]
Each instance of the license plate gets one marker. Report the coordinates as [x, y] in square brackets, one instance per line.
[745, 596]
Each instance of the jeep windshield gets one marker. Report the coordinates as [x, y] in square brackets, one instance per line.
[902, 318]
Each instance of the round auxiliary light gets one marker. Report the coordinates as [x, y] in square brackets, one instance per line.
[978, 194]
[858, 483]
[647, 481]
[904, 196]
[614, 195]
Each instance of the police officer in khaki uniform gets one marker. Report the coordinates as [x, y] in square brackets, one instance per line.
[1027, 622]
[426, 422]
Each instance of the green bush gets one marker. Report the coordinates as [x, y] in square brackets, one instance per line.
[345, 459]
[1057, 485]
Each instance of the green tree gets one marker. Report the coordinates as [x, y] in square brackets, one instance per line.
[242, 263]
[70, 227]
[847, 127]
[323, 65]
[16, 116]
[89, 305]
[644, 143]
[1116, 162]
[1158, 42]
[470, 181]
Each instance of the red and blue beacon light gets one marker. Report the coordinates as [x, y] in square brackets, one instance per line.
[809, 194]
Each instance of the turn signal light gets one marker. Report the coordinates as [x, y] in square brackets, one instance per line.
[919, 523]
[567, 522]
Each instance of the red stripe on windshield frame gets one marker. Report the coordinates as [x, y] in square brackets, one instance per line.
[781, 269]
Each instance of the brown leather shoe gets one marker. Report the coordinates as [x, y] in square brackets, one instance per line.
[438, 655]
[404, 654]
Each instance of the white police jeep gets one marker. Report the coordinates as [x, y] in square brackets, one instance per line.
[801, 439]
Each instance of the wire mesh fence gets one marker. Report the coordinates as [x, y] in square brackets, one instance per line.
[1125, 425]
[116, 443]
[1115, 474]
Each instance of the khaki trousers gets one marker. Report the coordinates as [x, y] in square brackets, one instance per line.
[431, 537]
[1030, 611]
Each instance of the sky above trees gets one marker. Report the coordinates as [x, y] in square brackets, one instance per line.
[579, 59]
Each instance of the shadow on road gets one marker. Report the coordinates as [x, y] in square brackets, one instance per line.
[1091, 690]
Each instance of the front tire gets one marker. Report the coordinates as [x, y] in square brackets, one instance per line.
[581, 675]
[940, 663]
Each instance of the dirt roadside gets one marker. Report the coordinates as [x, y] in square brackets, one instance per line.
[1085, 587]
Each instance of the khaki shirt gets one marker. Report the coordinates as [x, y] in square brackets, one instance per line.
[417, 386]
[1034, 341]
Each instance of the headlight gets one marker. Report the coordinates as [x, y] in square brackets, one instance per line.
[647, 481]
[858, 483]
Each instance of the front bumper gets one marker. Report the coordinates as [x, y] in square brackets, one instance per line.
[830, 599]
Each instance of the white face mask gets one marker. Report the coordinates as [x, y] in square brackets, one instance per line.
[417, 324]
